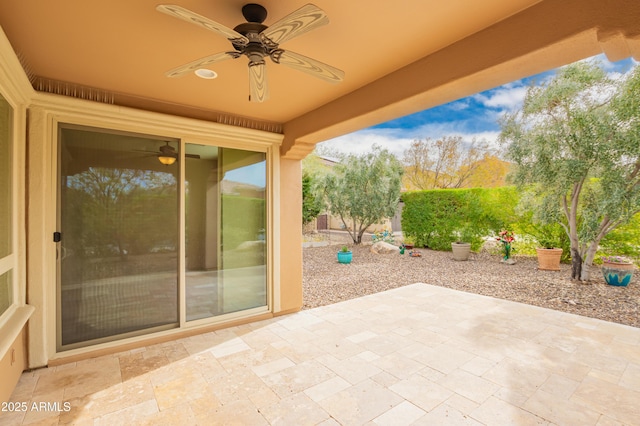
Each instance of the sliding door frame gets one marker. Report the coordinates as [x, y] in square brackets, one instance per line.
[47, 113]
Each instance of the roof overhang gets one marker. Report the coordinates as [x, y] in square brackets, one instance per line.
[399, 58]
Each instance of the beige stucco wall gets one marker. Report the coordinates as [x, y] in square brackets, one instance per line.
[11, 366]
[290, 236]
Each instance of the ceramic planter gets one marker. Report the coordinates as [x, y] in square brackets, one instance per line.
[345, 257]
[461, 251]
[617, 274]
[549, 258]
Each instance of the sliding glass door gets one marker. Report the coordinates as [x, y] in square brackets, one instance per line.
[120, 267]
[118, 257]
[225, 230]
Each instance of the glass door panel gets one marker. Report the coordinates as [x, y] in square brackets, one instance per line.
[118, 254]
[225, 230]
[243, 229]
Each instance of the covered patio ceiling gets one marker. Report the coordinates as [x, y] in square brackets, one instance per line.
[398, 57]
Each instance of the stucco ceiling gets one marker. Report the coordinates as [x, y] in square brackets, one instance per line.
[124, 47]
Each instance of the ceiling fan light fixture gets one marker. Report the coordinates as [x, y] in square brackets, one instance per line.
[206, 74]
[166, 160]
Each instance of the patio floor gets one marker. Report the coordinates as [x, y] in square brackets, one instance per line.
[418, 354]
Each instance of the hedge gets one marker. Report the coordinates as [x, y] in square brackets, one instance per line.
[436, 218]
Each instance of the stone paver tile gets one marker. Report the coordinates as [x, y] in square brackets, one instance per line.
[129, 416]
[398, 365]
[229, 347]
[108, 400]
[80, 380]
[468, 385]
[519, 377]
[447, 415]
[272, 367]
[631, 377]
[495, 411]
[237, 413]
[327, 388]
[385, 379]
[404, 413]
[478, 365]
[362, 336]
[297, 378]
[462, 404]
[368, 356]
[608, 421]
[422, 392]
[37, 410]
[615, 401]
[444, 357]
[231, 387]
[610, 364]
[295, 410]
[559, 410]
[360, 403]
[179, 391]
[178, 415]
[353, 369]
[560, 386]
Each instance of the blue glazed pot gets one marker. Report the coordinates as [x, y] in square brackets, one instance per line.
[617, 277]
[345, 256]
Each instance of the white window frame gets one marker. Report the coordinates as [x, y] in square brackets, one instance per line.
[17, 91]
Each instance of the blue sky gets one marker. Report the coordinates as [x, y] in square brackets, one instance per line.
[472, 117]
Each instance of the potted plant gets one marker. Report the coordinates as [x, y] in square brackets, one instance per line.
[408, 243]
[462, 248]
[548, 255]
[617, 270]
[507, 239]
[345, 255]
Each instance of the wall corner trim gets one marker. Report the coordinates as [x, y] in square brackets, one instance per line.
[13, 326]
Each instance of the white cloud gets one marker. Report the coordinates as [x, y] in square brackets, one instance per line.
[507, 97]
[398, 140]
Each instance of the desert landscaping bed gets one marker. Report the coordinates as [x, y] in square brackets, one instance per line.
[325, 281]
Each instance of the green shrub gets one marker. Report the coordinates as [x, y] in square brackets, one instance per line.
[623, 241]
[436, 218]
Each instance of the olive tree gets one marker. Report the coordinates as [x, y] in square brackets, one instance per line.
[362, 190]
[576, 145]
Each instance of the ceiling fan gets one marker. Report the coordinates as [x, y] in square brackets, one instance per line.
[257, 41]
[166, 154]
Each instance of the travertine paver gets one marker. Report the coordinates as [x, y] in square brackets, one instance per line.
[417, 354]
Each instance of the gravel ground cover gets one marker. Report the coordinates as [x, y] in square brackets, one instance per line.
[325, 281]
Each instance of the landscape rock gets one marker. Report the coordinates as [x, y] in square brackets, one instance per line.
[382, 247]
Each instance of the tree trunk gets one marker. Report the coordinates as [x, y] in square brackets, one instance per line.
[576, 264]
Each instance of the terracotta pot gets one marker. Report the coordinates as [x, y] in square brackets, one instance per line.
[460, 251]
[549, 259]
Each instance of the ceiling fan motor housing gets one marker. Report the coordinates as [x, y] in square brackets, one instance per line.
[254, 12]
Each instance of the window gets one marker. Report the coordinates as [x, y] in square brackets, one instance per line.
[6, 207]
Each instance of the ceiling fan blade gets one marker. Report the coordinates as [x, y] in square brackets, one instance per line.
[297, 23]
[308, 65]
[200, 63]
[259, 92]
[194, 18]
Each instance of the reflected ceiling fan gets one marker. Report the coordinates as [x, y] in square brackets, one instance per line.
[256, 41]
[166, 154]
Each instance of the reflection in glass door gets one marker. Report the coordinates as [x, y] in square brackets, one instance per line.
[225, 223]
[118, 252]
